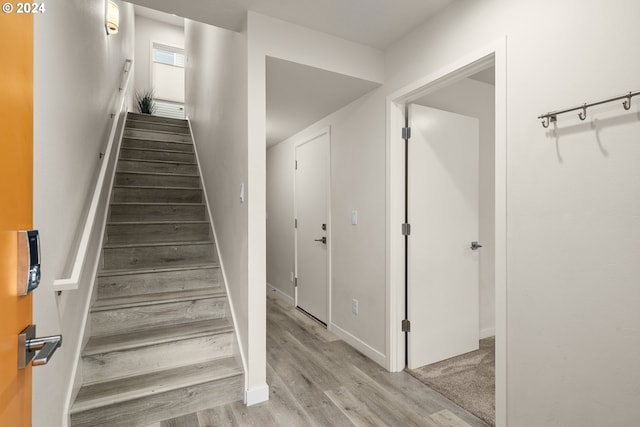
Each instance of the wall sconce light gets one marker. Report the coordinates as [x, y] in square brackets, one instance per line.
[113, 17]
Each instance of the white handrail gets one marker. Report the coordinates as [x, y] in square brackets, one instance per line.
[71, 283]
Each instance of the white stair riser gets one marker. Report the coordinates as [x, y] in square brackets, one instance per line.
[157, 195]
[153, 180]
[125, 213]
[149, 233]
[137, 166]
[156, 136]
[125, 320]
[157, 256]
[169, 156]
[153, 283]
[161, 406]
[138, 361]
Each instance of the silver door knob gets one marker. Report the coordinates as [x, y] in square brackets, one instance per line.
[475, 246]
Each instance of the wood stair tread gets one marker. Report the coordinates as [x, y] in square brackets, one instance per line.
[121, 390]
[163, 132]
[191, 175]
[170, 162]
[157, 187]
[157, 149]
[132, 120]
[186, 221]
[130, 301]
[156, 335]
[156, 244]
[128, 271]
[157, 203]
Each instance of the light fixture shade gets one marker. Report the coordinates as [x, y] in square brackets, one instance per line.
[113, 17]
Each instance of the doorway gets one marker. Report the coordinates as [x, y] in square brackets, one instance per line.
[472, 63]
[312, 213]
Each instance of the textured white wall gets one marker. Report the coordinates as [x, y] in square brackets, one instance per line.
[77, 71]
[477, 99]
[147, 31]
[216, 103]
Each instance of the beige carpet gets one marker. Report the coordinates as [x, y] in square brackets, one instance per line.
[468, 380]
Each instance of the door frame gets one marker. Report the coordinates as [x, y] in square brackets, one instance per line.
[395, 170]
[302, 141]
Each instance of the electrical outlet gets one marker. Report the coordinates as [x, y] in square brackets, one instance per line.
[354, 306]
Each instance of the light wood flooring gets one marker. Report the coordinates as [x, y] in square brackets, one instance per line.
[316, 379]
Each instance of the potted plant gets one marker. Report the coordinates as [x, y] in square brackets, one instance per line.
[146, 103]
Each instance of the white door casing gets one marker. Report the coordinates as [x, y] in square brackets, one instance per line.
[443, 299]
[311, 204]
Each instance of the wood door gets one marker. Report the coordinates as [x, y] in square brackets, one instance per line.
[311, 203]
[16, 189]
[443, 278]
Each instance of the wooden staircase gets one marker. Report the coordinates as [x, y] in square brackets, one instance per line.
[161, 340]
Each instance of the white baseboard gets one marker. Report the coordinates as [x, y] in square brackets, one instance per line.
[487, 332]
[256, 395]
[359, 345]
[278, 293]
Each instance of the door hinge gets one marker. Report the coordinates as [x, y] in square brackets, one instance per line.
[406, 229]
[406, 133]
[296, 165]
[295, 223]
[406, 326]
[295, 282]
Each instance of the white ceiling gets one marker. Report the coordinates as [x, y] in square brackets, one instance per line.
[156, 15]
[376, 23]
[486, 76]
[299, 95]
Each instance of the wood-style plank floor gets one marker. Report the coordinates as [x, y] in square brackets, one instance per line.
[316, 379]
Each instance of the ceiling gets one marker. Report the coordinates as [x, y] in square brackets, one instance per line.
[376, 23]
[167, 18]
[299, 95]
[486, 76]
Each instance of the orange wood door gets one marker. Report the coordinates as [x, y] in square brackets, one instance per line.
[16, 195]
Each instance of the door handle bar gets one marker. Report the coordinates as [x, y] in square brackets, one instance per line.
[323, 240]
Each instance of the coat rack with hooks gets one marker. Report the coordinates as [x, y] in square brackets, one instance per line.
[551, 117]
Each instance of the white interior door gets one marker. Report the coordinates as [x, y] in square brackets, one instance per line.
[443, 291]
[311, 202]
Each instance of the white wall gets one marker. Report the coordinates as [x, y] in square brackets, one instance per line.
[477, 99]
[280, 233]
[573, 212]
[147, 31]
[573, 215]
[77, 71]
[217, 108]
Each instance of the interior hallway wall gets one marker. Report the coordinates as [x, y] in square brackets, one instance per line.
[216, 105]
[477, 99]
[148, 31]
[77, 72]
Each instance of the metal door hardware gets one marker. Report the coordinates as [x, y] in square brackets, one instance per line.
[40, 350]
[323, 240]
[475, 246]
[324, 227]
[28, 261]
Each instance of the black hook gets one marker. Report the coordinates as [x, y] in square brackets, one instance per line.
[627, 104]
[583, 113]
[547, 120]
